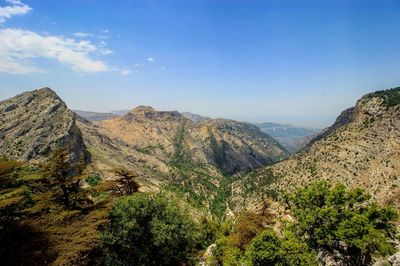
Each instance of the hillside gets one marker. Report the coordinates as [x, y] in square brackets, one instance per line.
[199, 168]
[167, 151]
[291, 137]
[168, 135]
[361, 149]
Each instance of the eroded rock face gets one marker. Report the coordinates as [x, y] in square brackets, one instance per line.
[229, 145]
[33, 123]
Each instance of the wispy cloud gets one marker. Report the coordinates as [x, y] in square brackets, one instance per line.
[104, 34]
[18, 47]
[125, 72]
[16, 8]
[82, 34]
[151, 59]
[103, 48]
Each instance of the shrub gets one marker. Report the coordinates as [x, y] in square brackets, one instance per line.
[93, 179]
[270, 249]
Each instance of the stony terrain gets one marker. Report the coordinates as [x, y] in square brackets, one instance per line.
[229, 145]
[32, 124]
[165, 149]
[362, 149]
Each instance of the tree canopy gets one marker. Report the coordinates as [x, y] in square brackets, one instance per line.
[148, 229]
[345, 220]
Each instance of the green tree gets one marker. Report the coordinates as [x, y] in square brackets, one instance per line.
[148, 229]
[60, 171]
[270, 249]
[343, 220]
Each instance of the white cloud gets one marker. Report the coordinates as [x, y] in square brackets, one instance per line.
[16, 8]
[82, 34]
[151, 59]
[18, 47]
[125, 72]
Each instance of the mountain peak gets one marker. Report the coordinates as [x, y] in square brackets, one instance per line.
[46, 92]
[142, 109]
[35, 123]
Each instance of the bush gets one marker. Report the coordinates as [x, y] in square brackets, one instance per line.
[147, 229]
[270, 249]
[93, 179]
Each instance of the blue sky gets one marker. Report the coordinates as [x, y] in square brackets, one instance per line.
[301, 62]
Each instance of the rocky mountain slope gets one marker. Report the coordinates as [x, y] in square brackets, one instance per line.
[165, 149]
[229, 145]
[362, 149]
[33, 123]
[291, 137]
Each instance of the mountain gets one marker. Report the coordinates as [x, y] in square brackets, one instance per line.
[194, 117]
[291, 137]
[94, 116]
[33, 123]
[229, 145]
[361, 149]
[165, 149]
[214, 169]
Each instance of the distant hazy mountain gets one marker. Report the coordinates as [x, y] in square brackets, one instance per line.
[120, 112]
[291, 137]
[194, 117]
[94, 116]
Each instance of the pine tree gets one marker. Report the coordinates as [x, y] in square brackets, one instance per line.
[60, 171]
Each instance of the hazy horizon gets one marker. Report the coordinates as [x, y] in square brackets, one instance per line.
[297, 62]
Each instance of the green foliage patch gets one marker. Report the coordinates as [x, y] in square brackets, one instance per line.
[148, 229]
[391, 97]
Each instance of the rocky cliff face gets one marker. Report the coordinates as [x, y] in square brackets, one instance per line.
[33, 123]
[229, 145]
[362, 149]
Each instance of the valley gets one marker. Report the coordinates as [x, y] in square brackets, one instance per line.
[219, 170]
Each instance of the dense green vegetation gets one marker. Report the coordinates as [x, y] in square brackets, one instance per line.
[333, 219]
[391, 97]
[343, 220]
[268, 248]
[146, 229]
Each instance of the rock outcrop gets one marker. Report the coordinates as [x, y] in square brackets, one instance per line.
[33, 123]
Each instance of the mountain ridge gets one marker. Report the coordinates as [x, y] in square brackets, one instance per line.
[361, 149]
